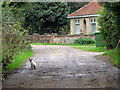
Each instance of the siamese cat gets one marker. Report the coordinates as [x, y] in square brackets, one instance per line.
[33, 64]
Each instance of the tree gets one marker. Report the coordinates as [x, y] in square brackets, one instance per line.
[49, 15]
[76, 5]
[109, 21]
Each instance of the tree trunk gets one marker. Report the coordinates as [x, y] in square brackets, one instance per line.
[50, 30]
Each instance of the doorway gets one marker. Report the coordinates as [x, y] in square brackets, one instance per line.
[84, 26]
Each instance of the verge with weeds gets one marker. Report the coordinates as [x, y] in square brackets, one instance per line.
[115, 57]
[20, 58]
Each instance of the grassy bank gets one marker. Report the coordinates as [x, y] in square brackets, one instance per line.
[20, 58]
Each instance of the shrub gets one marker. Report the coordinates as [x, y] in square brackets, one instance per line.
[64, 30]
[84, 41]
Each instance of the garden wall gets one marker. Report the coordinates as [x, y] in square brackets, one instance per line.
[65, 39]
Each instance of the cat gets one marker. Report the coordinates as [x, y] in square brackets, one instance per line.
[33, 64]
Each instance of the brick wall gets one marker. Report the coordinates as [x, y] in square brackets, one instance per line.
[52, 38]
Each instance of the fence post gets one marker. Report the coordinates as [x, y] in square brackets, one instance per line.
[45, 36]
[52, 38]
[33, 37]
[37, 37]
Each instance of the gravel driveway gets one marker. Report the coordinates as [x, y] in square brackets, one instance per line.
[64, 67]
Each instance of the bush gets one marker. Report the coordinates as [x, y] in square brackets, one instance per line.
[84, 41]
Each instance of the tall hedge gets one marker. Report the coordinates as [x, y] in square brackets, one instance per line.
[109, 22]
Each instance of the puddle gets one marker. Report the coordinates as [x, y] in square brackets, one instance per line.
[65, 59]
[81, 63]
[83, 55]
[47, 77]
[70, 75]
[115, 68]
[31, 75]
[104, 63]
[59, 78]
[79, 75]
[24, 71]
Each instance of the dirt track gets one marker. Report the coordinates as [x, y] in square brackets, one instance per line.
[64, 67]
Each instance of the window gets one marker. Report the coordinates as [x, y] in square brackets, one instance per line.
[77, 21]
[93, 20]
[93, 25]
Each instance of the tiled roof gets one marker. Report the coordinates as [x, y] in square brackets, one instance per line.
[88, 9]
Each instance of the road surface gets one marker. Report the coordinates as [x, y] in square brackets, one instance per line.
[64, 67]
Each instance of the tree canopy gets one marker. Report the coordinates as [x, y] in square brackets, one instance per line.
[76, 5]
[49, 15]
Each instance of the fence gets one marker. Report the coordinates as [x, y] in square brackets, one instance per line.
[65, 39]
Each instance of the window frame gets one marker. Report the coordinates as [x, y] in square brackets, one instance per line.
[93, 20]
[77, 21]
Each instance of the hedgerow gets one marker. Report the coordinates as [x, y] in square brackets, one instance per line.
[12, 34]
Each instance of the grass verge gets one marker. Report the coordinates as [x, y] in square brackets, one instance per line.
[20, 58]
[53, 44]
[115, 57]
[86, 47]
[91, 48]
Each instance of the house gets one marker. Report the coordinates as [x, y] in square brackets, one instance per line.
[84, 20]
